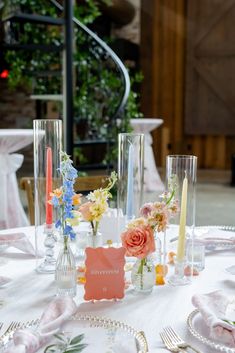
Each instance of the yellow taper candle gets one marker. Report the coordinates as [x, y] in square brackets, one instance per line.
[183, 214]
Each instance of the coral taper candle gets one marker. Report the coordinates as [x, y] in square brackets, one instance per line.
[49, 207]
[183, 214]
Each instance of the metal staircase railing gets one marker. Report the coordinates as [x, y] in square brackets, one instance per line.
[97, 47]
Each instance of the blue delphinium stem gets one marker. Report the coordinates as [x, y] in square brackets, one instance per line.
[65, 206]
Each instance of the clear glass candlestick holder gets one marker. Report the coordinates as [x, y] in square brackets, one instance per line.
[130, 176]
[47, 148]
[181, 172]
[179, 278]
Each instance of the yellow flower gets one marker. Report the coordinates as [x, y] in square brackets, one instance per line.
[137, 223]
[97, 210]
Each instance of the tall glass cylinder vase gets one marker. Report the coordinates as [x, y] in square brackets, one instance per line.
[181, 173]
[47, 148]
[130, 176]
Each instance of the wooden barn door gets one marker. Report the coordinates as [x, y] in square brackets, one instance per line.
[188, 62]
[210, 80]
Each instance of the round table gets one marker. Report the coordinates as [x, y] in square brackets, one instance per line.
[11, 211]
[152, 180]
[27, 295]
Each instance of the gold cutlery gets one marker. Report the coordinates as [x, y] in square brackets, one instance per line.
[177, 340]
[169, 344]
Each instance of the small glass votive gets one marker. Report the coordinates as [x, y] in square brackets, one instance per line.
[195, 254]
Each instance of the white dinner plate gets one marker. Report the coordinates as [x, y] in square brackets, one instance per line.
[200, 330]
[100, 334]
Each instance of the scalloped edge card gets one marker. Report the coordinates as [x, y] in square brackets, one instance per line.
[105, 277]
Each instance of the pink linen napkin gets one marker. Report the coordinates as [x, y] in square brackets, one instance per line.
[29, 341]
[17, 240]
[213, 307]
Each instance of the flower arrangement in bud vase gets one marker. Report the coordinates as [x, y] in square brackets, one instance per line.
[138, 238]
[66, 200]
[93, 210]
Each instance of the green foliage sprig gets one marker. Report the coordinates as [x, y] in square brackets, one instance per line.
[66, 345]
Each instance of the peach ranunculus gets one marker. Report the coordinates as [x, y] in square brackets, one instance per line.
[77, 199]
[57, 193]
[139, 241]
[86, 212]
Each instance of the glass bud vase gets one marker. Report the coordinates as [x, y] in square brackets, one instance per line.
[66, 274]
[143, 275]
[94, 240]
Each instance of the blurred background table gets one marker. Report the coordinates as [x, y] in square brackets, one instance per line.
[152, 180]
[11, 210]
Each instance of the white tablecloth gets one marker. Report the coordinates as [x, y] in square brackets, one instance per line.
[27, 295]
[11, 211]
[152, 180]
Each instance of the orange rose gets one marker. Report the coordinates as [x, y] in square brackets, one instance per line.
[85, 211]
[139, 241]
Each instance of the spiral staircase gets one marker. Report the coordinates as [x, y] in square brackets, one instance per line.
[97, 48]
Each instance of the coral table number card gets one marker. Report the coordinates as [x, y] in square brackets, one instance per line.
[104, 273]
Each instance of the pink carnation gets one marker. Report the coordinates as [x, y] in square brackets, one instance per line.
[139, 241]
[146, 209]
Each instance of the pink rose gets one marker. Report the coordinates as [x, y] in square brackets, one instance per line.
[139, 241]
[85, 211]
[146, 209]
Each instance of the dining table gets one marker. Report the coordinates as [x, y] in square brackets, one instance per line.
[25, 297]
[12, 213]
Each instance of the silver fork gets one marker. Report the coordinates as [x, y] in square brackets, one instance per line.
[13, 326]
[169, 344]
[177, 340]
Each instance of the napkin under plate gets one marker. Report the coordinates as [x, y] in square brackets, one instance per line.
[214, 308]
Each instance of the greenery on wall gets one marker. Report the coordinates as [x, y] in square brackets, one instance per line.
[98, 84]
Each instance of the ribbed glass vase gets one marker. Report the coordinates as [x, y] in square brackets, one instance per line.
[66, 274]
